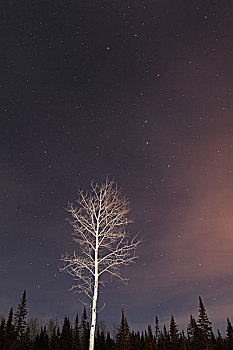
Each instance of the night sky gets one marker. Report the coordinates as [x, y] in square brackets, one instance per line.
[139, 90]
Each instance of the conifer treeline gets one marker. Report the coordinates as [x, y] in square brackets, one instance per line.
[17, 334]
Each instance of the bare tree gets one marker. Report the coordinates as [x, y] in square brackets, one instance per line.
[35, 326]
[99, 219]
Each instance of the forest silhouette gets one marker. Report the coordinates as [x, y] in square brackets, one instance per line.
[18, 333]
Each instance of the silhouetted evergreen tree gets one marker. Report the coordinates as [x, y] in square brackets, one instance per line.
[135, 341]
[212, 339]
[219, 335]
[100, 340]
[149, 339]
[200, 335]
[123, 334]
[58, 336]
[219, 341]
[20, 316]
[25, 340]
[142, 341]
[10, 331]
[156, 329]
[161, 342]
[205, 326]
[84, 336]
[76, 335]
[184, 345]
[191, 329]
[42, 340]
[166, 336]
[229, 332]
[54, 341]
[109, 342]
[145, 336]
[194, 334]
[2, 334]
[174, 334]
[66, 335]
[9, 324]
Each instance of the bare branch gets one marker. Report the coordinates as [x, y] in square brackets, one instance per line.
[99, 220]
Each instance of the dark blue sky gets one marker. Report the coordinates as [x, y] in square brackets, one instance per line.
[139, 90]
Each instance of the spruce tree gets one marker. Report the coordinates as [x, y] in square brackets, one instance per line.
[135, 341]
[174, 334]
[26, 341]
[142, 340]
[212, 338]
[229, 332]
[58, 335]
[191, 329]
[10, 331]
[54, 341]
[20, 316]
[100, 340]
[2, 334]
[219, 341]
[9, 324]
[109, 342]
[156, 329]
[42, 340]
[66, 335]
[123, 334]
[194, 334]
[149, 339]
[76, 335]
[84, 336]
[183, 341]
[166, 337]
[205, 326]
[161, 342]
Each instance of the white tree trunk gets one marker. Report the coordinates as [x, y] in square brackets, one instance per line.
[94, 301]
[93, 316]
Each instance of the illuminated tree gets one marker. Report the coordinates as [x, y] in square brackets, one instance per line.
[99, 222]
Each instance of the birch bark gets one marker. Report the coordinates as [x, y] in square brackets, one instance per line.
[99, 220]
